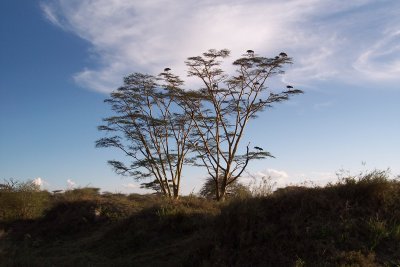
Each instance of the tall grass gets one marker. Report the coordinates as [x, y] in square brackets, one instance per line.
[352, 222]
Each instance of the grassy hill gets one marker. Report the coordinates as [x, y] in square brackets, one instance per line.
[354, 222]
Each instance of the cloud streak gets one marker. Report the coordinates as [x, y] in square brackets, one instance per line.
[328, 39]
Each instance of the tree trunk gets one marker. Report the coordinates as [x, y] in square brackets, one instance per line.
[176, 193]
[221, 196]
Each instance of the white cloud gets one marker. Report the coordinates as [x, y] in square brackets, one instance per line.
[130, 186]
[319, 176]
[328, 39]
[275, 174]
[38, 181]
[279, 177]
[70, 184]
[282, 178]
[48, 11]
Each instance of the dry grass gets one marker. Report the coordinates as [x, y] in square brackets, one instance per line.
[354, 222]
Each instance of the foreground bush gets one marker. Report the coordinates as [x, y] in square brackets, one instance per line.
[354, 222]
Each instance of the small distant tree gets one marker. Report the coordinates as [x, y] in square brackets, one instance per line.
[225, 104]
[21, 200]
[152, 128]
[233, 190]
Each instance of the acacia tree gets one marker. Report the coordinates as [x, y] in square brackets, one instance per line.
[157, 123]
[222, 109]
[152, 128]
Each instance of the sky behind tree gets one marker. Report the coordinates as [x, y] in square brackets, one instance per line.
[60, 59]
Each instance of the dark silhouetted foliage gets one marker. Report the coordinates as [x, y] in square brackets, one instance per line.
[354, 222]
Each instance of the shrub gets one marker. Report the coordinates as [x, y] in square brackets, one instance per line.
[262, 188]
[233, 190]
[79, 194]
[22, 201]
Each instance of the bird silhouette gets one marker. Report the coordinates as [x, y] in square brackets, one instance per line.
[250, 51]
[289, 86]
[167, 69]
[282, 54]
[258, 148]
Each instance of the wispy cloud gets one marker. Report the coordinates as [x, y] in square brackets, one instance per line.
[329, 39]
[70, 184]
[381, 61]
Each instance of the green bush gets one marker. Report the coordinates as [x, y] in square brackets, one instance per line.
[79, 194]
[22, 201]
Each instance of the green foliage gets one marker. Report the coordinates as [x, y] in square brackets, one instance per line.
[21, 201]
[85, 193]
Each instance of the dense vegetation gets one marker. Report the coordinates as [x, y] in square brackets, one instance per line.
[354, 222]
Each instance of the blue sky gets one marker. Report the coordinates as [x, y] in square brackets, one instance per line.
[59, 60]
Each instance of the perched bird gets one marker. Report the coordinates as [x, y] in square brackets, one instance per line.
[289, 86]
[167, 69]
[250, 51]
[258, 148]
[282, 54]
[256, 83]
[215, 85]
